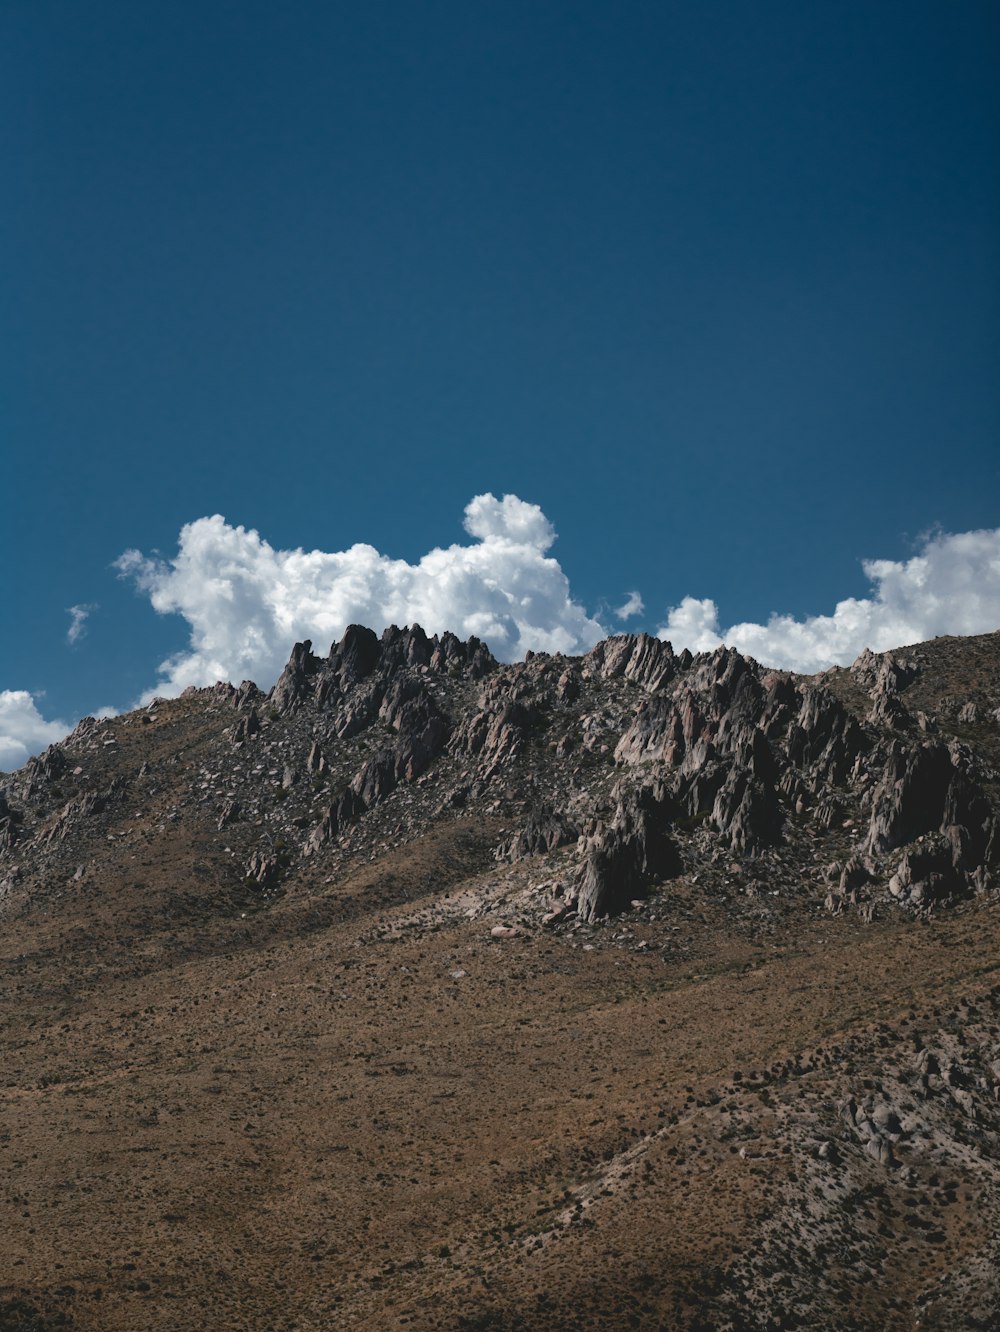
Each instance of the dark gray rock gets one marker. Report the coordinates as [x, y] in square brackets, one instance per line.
[544, 831]
[294, 684]
[912, 796]
[927, 873]
[263, 870]
[498, 730]
[355, 657]
[246, 728]
[746, 812]
[622, 858]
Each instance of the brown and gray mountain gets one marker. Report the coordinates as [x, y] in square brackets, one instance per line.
[636, 989]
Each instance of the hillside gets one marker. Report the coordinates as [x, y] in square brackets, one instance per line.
[630, 990]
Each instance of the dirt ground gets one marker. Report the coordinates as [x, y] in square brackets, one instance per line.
[295, 1121]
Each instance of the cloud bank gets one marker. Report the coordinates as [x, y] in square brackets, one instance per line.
[951, 587]
[246, 603]
[23, 729]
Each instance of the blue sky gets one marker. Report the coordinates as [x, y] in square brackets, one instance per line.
[715, 285]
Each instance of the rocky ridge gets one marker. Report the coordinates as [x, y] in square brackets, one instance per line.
[656, 764]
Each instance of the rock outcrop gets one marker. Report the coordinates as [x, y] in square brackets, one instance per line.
[362, 658]
[637, 658]
[544, 831]
[623, 857]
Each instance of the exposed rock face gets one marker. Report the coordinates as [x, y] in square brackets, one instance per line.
[746, 811]
[924, 790]
[888, 673]
[824, 741]
[497, 733]
[263, 870]
[294, 683]
[663, 729]
[910, 797]
[741, 745]
[48, 766]
[353, 678]
[345, 808]
[247, 727]
[355, 657]
[422, 729]
[544, 831]
[10, 821]
[79, 810]
[713, 733]
[228, 814]
[638, 658]
[622, 858]
[928, 873]
[497, 730]
[247, 696]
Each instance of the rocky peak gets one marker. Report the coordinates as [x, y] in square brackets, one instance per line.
[355, 657]
[639, 658]
[358, 668]
[294, 683]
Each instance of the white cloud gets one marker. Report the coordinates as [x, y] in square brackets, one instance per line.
[77, 622]
[633, 605]
[23, 729]
[951, 587]
[693, 624]
[246, 603]
[510, 520]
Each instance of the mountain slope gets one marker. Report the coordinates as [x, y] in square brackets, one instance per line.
[637, 989]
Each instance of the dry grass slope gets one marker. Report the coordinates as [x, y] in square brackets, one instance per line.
[344, 1101]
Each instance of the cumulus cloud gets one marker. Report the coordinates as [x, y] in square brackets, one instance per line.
[77, 622]
[23, 729]
[951, 587]
[633, 605]
[246, 603]
[511, 520]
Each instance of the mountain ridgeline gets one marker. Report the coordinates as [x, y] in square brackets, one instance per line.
[647, 761]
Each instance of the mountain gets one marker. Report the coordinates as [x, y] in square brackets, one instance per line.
[635, 989]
